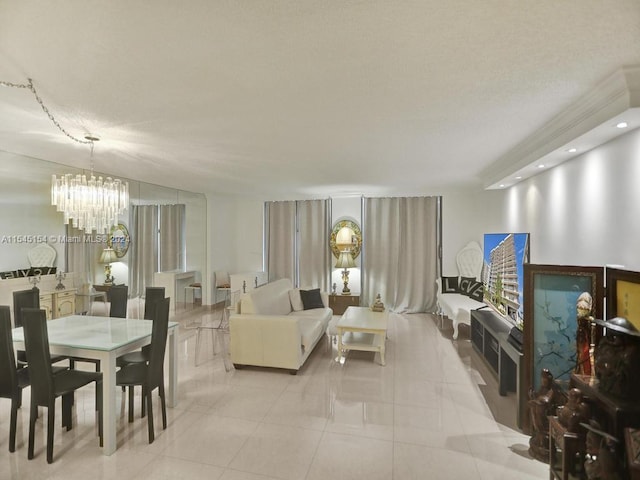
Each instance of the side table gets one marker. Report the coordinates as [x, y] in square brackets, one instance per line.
[339, 303]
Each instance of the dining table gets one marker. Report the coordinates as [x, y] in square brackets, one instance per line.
[105, 339]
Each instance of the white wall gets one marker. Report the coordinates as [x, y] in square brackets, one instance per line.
[583, 212]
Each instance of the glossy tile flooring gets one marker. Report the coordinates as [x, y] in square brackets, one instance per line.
[433, 412]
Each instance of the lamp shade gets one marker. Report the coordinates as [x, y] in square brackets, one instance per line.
[108, 256]
[345, 260]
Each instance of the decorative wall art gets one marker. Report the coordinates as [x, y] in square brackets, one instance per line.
[505, 255]
[119, 239]
[551, 312]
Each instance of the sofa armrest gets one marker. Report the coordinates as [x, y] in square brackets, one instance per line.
[325, 299]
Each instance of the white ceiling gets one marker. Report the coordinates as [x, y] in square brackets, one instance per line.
[300, 98]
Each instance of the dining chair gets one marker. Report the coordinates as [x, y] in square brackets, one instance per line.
[118, 296]
[152, 295]
[47, 386]
[219, 329]
[28, 299]
[150, 375]
[12, 379]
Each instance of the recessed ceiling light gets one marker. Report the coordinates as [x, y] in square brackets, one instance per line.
[541, 166]
[501, 185]
[622, 125]
[572, 150]
[518, 177]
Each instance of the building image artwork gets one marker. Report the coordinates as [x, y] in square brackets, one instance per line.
[504, 256]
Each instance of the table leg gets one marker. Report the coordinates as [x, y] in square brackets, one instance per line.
[382, 349]
[173, 367]
[108, 367]
[340, 333]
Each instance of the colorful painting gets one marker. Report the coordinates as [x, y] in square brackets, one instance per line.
[503, 277]
[551, 294]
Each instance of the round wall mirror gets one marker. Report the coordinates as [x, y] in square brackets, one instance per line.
[346, 235]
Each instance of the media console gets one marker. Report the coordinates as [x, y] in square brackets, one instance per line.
[490, 338]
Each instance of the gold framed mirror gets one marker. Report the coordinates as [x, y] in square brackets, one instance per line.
[346, 234]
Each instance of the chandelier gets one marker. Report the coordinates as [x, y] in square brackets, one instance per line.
[88, 203]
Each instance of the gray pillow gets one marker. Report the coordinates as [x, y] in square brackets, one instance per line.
[311, 299]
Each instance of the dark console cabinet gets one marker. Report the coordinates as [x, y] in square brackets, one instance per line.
[489, 337]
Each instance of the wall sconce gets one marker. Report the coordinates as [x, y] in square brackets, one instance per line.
[107, 257]
[346, 261]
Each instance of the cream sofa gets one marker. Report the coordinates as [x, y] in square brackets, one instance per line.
[270, 328]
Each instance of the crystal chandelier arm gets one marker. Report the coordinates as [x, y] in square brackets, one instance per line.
[29, 86]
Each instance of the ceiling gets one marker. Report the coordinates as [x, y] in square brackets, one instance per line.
[300, 98]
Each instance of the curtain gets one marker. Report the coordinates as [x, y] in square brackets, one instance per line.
[314, 253]
[400, 246]
[82, 252]
[280, 219]
[144, 248]
[172, 238]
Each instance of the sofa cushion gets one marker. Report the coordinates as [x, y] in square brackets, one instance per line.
[464, 285]
[449, 284]
[296, 301]
[311, 299]
[476, 291]
[269, 299]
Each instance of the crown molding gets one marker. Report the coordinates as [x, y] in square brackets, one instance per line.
[615, 95]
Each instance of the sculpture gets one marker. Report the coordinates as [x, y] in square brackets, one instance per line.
[584, 333]
[617, 358]
[574, 412]
[542, 403]
[378, 306]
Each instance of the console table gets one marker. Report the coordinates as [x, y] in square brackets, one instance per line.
[490, 338]
[339, 303]
[174, 283]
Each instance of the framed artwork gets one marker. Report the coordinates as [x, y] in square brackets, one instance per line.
[346, 234]
[505, 255]
[623, 295]
[551, 295]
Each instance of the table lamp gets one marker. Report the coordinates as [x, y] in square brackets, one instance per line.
[107, 257]
[345, 260]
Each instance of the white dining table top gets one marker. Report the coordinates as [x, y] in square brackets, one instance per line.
[94, 332]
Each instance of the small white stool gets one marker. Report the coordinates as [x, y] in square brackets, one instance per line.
[193, 288]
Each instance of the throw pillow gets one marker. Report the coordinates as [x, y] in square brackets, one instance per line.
[296, 300]
[476, 291]
[449, 284]
[311, 299]
[465, 285]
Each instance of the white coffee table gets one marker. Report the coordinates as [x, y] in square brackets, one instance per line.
[360, 328]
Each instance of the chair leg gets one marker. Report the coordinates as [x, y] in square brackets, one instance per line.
[198, 331]
[150, 415]
[33, 415]
[13, 422]
[67, 403]
[131, 403]
[142, 403]
[163, 406]
[99, 409]
[51, 422]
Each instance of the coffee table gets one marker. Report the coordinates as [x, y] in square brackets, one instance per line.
[360, 328]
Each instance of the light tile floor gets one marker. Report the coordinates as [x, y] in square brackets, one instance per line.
[432, 412]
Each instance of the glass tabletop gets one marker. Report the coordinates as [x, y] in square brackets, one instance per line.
[92, 332]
